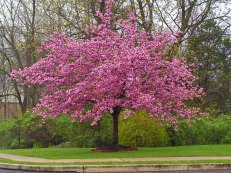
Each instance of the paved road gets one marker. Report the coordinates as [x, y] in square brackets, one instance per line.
[20, 171]
[205, 171]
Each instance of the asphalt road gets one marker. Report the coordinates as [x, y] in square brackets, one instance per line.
[20, 171]
[205, 171]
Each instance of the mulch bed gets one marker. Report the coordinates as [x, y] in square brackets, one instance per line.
[110, 148]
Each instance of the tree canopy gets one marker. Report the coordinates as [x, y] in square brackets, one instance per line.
[116, 72]
[25, 23]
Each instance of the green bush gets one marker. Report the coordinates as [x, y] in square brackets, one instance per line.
[29, 130]
[6, 137]
[220, 130]
[142, 131]
[189, 134]
[209, 130]
[46, 132]
[85, 135]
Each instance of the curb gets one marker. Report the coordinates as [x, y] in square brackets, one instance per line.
[119, 168]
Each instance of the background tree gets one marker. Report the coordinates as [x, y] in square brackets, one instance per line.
[113, 73]
[187, 15]
[212, 50]
[18, 46]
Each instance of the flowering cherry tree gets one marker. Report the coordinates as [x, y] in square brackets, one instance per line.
[113, 72]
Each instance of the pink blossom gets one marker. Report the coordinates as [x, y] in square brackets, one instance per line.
[111, 70]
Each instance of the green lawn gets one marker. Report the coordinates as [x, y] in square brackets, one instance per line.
[115, 163]
[84, 153]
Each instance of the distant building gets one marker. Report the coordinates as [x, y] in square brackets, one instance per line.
[9, 109]
[9, 106]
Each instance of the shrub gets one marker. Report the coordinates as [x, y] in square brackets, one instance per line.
[6, 137]
[189, 134]
[85, 135]
[29, 130]
[141, 131]
[220, 130]
[209, 130]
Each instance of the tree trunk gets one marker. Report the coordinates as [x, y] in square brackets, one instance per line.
[115, 140]
[115, 115]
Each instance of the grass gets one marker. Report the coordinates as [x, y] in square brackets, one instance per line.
[85, 153]
[115, 163]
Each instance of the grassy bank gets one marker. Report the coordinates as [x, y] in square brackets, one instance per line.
[116, 163]
[85, 153]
